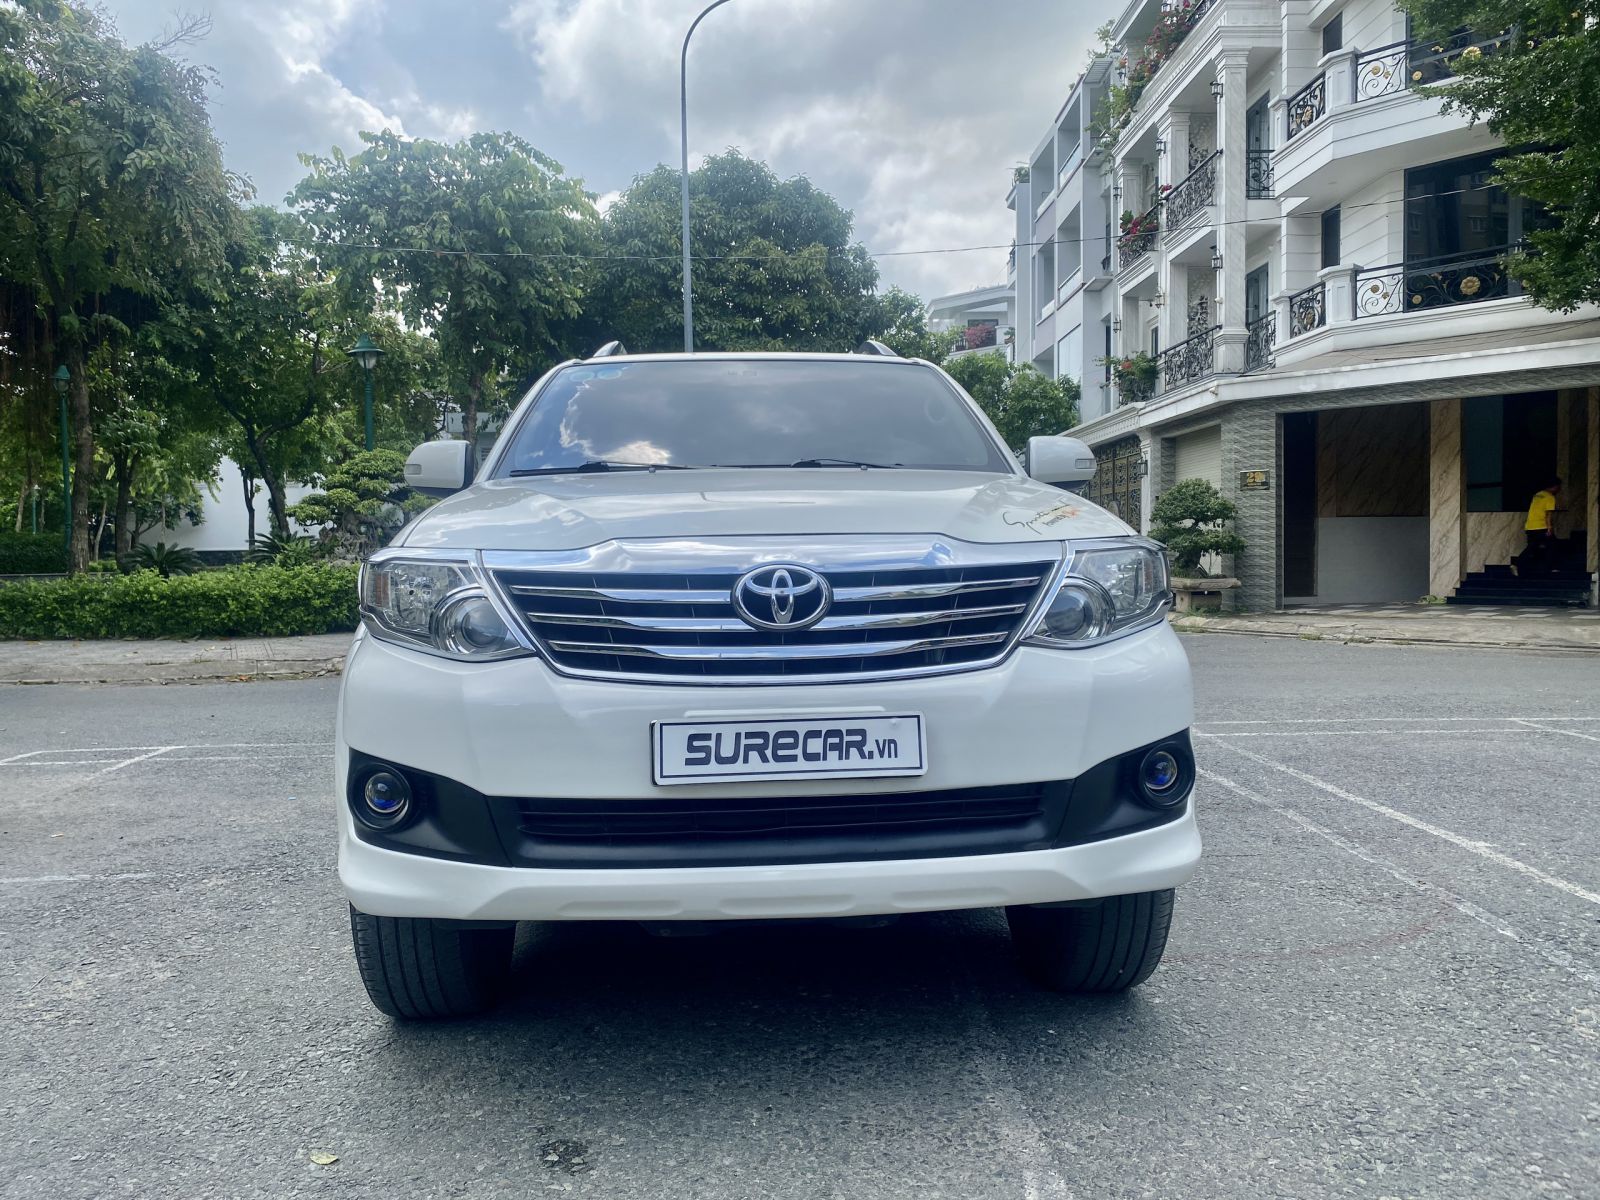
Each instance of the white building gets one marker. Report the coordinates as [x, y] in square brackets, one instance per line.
[986, 319]
[1315, 267]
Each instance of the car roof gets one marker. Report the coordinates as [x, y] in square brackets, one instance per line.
[754, 356]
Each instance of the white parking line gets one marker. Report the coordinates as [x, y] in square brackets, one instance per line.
[1280, 733]
[1362, 720]
[1588, 737]
[137, 758]
[1558, 958]
[1481, 849]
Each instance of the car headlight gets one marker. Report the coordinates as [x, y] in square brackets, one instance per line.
[1112, 587]
[442, 606]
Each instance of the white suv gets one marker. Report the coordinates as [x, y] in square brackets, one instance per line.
[738, 636]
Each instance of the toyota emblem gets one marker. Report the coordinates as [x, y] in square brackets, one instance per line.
[782, 598]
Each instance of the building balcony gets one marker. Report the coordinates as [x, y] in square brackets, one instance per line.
[1431, 283]
[1190, 361]
[1192, 195]
[1360, 118]
[1258, 175]
[1308, 309]
[1261, 335]
[1139, 239]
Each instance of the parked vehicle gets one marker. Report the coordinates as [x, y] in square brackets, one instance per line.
[735, 636]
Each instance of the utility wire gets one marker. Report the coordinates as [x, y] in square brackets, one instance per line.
[676, 257]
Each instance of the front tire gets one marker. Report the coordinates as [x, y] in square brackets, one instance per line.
[1110, 945]
[416, 969]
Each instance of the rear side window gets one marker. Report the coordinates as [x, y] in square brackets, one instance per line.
[750, 413]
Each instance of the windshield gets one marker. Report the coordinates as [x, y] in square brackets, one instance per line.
[749, 413]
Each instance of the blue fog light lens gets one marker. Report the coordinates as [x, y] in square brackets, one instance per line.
[387, 797]
[1160, 774]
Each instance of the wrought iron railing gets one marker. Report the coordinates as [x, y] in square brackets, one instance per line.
[1191, 359]
[1306, 106]
[1140, 239]
[1133, 390]
[1261, 335]
[1308, 309]
[1258, 174]
[1398, 66]
[1192, 193]
[1432, 283]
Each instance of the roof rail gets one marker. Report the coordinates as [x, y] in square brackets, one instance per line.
[873, 346]
[610, 350]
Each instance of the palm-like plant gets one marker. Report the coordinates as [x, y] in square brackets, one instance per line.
[296, 550]
[166, 560]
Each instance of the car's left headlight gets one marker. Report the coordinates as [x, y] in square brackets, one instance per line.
[1112, 587]
[438, 604]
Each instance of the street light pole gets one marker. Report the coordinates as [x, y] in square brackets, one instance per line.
[683, 126]
[61, 380]
[366, 353]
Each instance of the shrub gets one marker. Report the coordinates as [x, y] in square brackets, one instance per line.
[1189, 519]
[32, 554]
[296, 550]
[244, 601]
[166, 560]
[364, 503]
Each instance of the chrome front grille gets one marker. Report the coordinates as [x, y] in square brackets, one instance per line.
[882, 620]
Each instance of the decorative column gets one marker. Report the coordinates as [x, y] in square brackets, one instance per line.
[1445, 497]
[1232, 209]
[1173, 130]
[1250, 443]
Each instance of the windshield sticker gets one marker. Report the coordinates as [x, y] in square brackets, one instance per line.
[1041, 521]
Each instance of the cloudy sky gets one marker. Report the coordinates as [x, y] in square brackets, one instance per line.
[911, 112]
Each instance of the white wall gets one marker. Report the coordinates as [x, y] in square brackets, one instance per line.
[224, 524]
[1370, 560]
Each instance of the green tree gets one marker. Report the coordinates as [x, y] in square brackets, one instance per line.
[110, 178]
[1536, 90]
[900, 321]
[775, 264]
[363, 503]
[479, 241]
[1190, 519]
[1020, 400]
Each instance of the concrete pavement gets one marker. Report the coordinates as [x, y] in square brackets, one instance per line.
[154, 661]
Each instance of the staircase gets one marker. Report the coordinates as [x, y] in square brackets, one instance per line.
[1567, 586]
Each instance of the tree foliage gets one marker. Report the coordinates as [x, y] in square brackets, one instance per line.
[775, 266]
[900, 321]
[1021, 401]
[364, 503]
[1536, 90]
[1190, 519]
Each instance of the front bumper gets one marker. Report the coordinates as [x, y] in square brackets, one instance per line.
[516, 728]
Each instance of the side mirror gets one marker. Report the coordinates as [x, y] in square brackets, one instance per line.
[1060, 461]
[439, 468]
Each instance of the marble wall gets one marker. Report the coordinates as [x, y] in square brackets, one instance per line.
[1373, 462]
[1444, 497]
[1491, 537]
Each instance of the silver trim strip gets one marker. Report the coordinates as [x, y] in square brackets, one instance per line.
[733, 625]
[918, 591]
[780, 653]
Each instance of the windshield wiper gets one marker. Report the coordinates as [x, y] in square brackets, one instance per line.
[600, 464]
[843, 462]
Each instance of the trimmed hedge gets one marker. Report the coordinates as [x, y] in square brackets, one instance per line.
[32, 554]
[244, 601]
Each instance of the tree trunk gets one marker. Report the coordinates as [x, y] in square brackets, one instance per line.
[83, 440]
[122, 467]
[277, 504]
[249, 508]
[100, 531]
[469, 417]
[22, 500]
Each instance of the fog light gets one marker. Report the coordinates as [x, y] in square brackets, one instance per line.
[385, 800]
[1161, 777]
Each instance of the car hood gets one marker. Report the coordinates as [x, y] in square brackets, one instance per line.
[569, 512]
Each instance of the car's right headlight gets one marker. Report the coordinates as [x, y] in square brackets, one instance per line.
[440, 604]
[1113, 587]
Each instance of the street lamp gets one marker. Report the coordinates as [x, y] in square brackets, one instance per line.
[62, 380]
[683, 126]
[366, 352]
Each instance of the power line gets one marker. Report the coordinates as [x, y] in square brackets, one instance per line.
[565, 256]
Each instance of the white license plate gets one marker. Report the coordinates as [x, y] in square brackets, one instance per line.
[789, 748]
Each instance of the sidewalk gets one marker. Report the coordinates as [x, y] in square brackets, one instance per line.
[1564, 629]
[172, 662]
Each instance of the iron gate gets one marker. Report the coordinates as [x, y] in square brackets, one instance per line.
[1117, 485]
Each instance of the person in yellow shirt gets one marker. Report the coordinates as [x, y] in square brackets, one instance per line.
[1540, 530]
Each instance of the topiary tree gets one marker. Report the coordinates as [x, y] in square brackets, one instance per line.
[1189, 519]
[363, 504]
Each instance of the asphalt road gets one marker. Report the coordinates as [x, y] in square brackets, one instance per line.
[1385, 981]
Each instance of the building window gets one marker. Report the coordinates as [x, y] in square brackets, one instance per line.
[1333, 35]
[1109, 352]
[1508, 449]
[1453, 208]
[1330, 238]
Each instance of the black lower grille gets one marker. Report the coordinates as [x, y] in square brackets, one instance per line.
[723, 829]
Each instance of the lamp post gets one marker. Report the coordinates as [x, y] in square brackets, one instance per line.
[683, 126]
[61, 380]
[366, 352]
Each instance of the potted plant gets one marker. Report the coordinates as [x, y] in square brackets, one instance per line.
[1191, 520]
[1134, 375]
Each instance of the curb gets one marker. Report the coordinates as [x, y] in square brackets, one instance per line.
[1362, 634]
[178, 673]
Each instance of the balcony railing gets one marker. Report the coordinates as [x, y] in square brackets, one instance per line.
[1140, 239]
[1432, 283]
[1131, 390]
[1394, 68]
[1306, 106]
[1258, 174]
[1261, 335]
[1191, 359]
[1308, 310]
[1074, 157]
[1193, 193]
